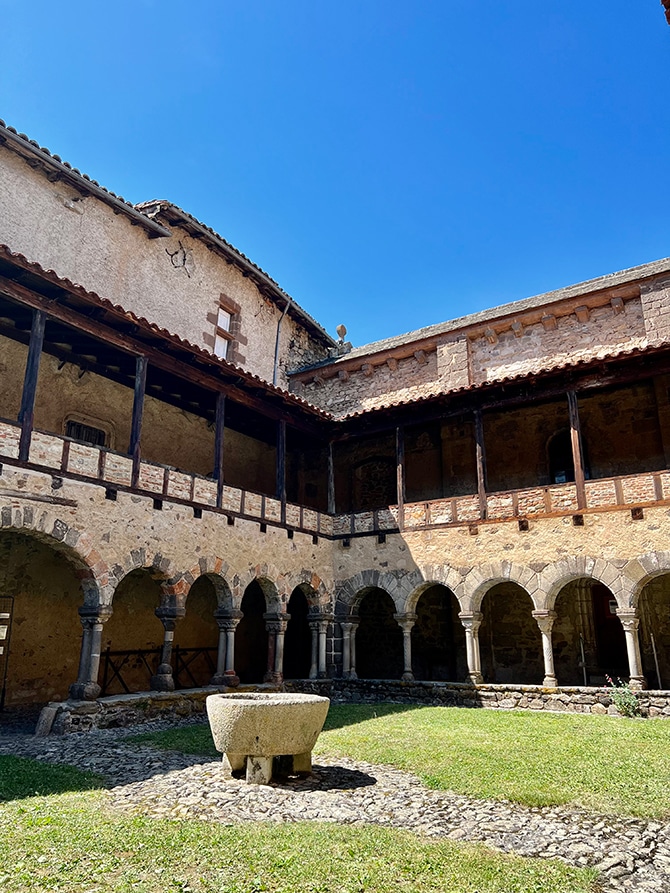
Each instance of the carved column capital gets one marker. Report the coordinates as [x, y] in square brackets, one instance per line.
[471, 622]
[405, 621]
[545, 620]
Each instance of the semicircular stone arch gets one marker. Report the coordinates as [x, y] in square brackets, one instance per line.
[640, 571]
[316, 593]
[215, 569]
[265, 575]
[159, 567]
[484, 577]
[399, 585]
[557, 575]
[435, 575]
[76, 545]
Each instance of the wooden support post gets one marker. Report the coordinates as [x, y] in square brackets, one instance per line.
[331, 479]
[400, 474]
[577, 448]
[219, 434]
[27, 411]
[480, 452]
[281, 467]
[134, 448]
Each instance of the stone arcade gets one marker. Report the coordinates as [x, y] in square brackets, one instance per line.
[217, 491]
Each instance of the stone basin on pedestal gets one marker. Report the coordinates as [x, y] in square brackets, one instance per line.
[253, 730]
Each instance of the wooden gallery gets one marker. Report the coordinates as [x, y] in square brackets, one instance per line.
[199, 486]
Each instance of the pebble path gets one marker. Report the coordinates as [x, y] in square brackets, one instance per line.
[631, 854]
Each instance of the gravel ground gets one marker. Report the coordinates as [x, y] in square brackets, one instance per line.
[632, 854]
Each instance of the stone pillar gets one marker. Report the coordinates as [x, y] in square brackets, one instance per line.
[545, 620]
[323, 622]
[276, 627]
[314, 666]
[86, 687]
[346, 648]
[168, 615]
[630, 625]
[471, 624]
[406, 623]
[225, 660]
[352, 662]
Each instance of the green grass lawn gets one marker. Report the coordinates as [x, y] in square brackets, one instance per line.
[603, 763]
[73, 842]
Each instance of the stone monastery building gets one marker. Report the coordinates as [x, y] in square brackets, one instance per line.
[199, 484]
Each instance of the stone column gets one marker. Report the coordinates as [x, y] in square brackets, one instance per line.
[86, 687]
[545, 620]
[163, 679]
[314, 666]
[406, 623]
[352, 663]
[323, 622]
[630, 625]
[471, 624]
[346, 648]
[276, 627]
[225, 659]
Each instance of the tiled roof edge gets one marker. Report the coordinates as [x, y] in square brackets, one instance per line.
[157, 206]
[144, 323]
[600, 283]
[23, 145]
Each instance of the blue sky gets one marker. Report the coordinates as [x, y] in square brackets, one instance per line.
[390, 164]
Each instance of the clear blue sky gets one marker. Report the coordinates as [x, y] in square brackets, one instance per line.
[390, 164]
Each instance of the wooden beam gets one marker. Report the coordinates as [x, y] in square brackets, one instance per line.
[134, 448]
[400, 474]
[480, 453]
[219, 436]
[331, 479]
[577, 448]
[175, 359]
[281, 468]
[27, 410]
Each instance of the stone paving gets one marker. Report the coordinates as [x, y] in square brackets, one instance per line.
[631, 854]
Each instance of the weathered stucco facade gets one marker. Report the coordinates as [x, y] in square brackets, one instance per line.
[484, 500]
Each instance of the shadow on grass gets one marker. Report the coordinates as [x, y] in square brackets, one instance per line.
[21, 778]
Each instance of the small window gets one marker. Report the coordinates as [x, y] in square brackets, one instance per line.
[223, 335]
[85, 433]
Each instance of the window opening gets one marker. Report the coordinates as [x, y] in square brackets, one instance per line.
[223, 335]
[85, 433]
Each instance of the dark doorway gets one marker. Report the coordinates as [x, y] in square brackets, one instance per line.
[610, 637]
[379, 650]
[559, 454]
[251, 637]
[438, 637]
[298, 641]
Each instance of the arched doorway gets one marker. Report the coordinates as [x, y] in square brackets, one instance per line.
[40, 631]
[438, 637]
[298, 640]
[654, 613]
[509, 638]
[379, 648]
[196, 637]
[588, 638]
[132, 638]
[251, 636]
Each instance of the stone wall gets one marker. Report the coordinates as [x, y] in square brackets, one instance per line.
[536, 339]
[131, 710]
[82, 239]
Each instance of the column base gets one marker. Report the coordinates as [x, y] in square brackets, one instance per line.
[229, 679]
[351, 675]
[163, 680]
[407, 677]
[638, 683]
[550, 682]
[475, 678]
[84, 691]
